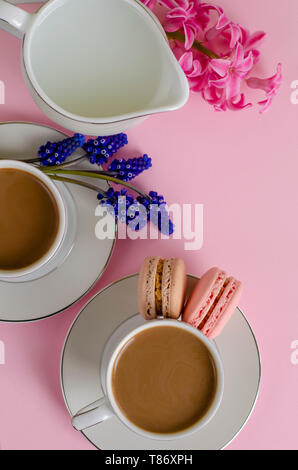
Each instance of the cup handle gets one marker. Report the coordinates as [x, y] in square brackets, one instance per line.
[92, 414]
[13, 19]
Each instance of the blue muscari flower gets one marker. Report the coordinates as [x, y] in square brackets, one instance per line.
[140, 210]
[102, 148]
[129, 169]
[157, 212]
[55, 153]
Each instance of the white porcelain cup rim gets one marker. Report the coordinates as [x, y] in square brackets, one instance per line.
[108, 405]
[15, 164]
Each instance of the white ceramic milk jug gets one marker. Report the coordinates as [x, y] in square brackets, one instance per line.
[96, 66]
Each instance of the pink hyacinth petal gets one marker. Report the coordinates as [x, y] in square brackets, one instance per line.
[221, 82]
[167, 3]
[151, 4]
[233, 87]
[182, 4]
[245, 34]
[239, 55]
[199, 83]
[178, 49]
[211, 34]
[190, 35]
[197, 69]
[255, 39]
[177, 13]
[240, 104]
[232, 73]
[186, 61]
[270, 85]
[216, 98]
[235, 34]
[172, 25]
[183, 15]
[223, 20]
[267, 84]
[257, 83]
[202, 13]
[221, 107]
[196, 84]
[192, 68]
[220, 66]
[246, 65]
[174, 3]
[212, 96]
[265, 105]
[256, 55]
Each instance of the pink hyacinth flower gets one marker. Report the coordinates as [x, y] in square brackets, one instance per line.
[190, 66]
[270, 85]
[194, 65]
[230, 34]
[222, 22]
[251, 42]
[182, 15]
[203, 15]
[216, 97]
[232, 72]
[194, 71]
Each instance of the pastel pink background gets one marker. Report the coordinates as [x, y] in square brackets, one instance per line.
[243, 167]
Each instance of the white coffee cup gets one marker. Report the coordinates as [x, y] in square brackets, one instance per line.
[6, 275]
[107, 406]
[96, 67]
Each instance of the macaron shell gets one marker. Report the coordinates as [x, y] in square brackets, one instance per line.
[146, 287]
[203, 295]
[173, 287]
[224, 309]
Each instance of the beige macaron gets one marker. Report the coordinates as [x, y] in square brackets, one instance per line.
[161, 287]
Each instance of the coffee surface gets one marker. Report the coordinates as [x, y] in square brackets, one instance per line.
[29, 219]
[164, 379]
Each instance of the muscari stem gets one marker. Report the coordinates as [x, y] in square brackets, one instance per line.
[77, 182]
[177, 36]
[89, 174]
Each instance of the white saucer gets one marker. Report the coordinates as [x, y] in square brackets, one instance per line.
[84, 350]
[87, 257]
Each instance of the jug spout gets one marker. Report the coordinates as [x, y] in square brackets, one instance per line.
[173, 90]
[165, 85]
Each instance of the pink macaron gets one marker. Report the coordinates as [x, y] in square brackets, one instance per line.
[161, 287]
[212, 302]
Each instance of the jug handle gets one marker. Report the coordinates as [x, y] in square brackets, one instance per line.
[13, 19]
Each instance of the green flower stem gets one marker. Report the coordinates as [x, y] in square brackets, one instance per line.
[63, 179]
[177, 36]
[55, 172]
